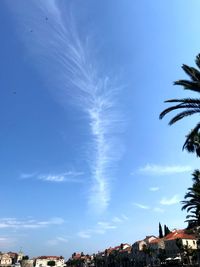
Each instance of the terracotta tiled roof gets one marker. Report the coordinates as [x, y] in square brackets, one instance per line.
[179, 234]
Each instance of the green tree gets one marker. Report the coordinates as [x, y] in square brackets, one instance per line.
[160, 231]
[187, 106]
[166, 230]
[192, 200]
[161, 254]
[192, 205]
[25, 257]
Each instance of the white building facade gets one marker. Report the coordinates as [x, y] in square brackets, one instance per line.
[44, 261]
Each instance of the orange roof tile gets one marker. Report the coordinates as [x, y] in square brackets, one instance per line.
[179, 234]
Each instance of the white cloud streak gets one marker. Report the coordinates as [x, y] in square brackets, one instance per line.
[69, 177]
[55, 41]
[106, 225]
[157, 209]
[154, 169]
[84, 234]
[28, 175]
[141, 206]
[145, 207]
[56, 241]
[154, 189]
[28, 224]
[170, 201]
[117, 220]
[102, 227]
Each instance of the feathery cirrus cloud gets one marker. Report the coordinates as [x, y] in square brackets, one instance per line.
[79, 78]
[69, 176]
[154, 169]
[153, 189]
[170, 201]
[56, 241]
[102, 227]
[141, 206]
[145, 207]
[29, 223]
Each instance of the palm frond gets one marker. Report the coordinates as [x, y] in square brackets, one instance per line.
[183, 115]
[198, 60]
[191, 134]
[192, 72]
[188, 85]
[184, 101]
[179, 106]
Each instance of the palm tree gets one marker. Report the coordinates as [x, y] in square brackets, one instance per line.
[192, 205]
[192, 201]
[192, 143]
[188, 106]
[192, 193]
[196, 178]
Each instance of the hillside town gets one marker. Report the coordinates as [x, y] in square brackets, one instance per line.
[173, 248]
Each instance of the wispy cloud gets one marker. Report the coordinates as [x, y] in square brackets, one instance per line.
[145, 207]
[154, 189]
[141, 206]
[124, 217]
[102, 227]
[170, 201]
[154, 169]
[106, 225]
[84, 234]
[28, 175]
[56, 241]
[70, 177]
[157, 209]
[28, 224]
[56, 44]
[119, 219]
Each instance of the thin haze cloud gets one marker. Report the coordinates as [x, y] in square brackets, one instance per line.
[28, 175]
[154, 169]
[56, 241]
[157, 209]
[70, 177]
[154, 189]
[170, 201]
[141, 206]
[99, 229]
[57, 43]
[28, 224]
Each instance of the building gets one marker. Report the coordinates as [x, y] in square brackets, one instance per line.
[178, 241]
[44, 261]
[5, 259]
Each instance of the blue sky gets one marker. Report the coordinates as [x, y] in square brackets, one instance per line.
[85, 161]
